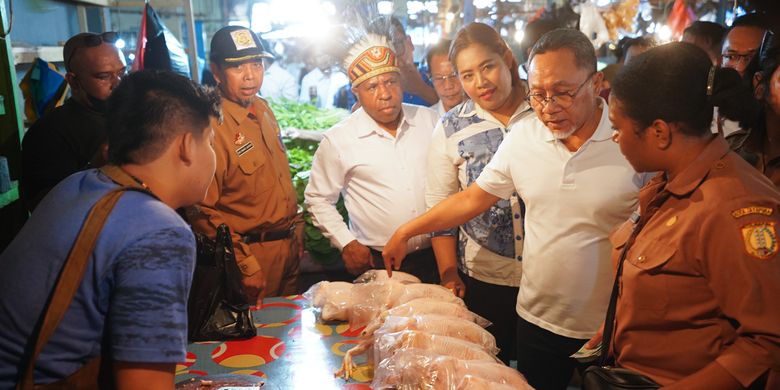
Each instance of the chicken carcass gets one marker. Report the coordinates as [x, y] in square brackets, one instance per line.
[377, 275]
[422, 306]
[443, 325]
[387, 345]
[447, 372]
[435, 324]
[421, 369]
[371, 299]
[475, 383]
[334, 299]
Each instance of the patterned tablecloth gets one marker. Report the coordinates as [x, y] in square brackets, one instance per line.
[291, 351]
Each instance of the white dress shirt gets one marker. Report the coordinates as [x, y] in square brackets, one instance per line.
[278, 83]
[573, 200]
[323, 85]
[439, 108]
[381, 177]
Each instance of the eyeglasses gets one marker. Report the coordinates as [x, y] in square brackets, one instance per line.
[89, 40]
[562, 99]
[443, 79]
[735, 57]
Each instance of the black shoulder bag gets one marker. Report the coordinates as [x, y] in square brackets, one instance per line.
[217, 309]
[604, 376]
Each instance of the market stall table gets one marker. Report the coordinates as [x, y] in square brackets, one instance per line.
[291, 350]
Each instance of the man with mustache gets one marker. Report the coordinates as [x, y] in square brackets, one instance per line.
[576, 186]
[252, 191]
[375, 158]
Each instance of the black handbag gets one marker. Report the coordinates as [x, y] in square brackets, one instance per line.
[608, 378]
[603, 376]
[217, 309]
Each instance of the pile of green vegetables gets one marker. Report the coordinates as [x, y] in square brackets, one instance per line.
[304, 116]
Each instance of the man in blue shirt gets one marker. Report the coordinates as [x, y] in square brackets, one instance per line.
[130, 308]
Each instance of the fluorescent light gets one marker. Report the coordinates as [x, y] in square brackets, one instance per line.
[664, 33]
[519, 34]
[384, 7]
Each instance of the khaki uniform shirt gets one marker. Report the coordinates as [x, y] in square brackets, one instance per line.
[752, 146]
[252, 188]
[701, 281]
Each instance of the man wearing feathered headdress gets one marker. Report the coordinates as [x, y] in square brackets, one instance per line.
[376, 159]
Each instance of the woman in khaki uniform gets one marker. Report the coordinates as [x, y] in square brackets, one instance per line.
[697, 307]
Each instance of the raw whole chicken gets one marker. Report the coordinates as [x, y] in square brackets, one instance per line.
[475, 383]
[361, 303]
[422, 306]
[421, 369]
[443, 325]
[371, 299]
[387, 345]
[447, 371]
[334, 299]
[377, 275]
[434, 324]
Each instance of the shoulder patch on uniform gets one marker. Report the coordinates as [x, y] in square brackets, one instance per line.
[760, 239]
[752, 210]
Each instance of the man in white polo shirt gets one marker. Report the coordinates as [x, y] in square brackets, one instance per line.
[376, 159]
[576, 186]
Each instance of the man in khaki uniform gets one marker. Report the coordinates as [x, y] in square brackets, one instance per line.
[252, 191]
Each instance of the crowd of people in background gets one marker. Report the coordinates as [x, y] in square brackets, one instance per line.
[546, 194]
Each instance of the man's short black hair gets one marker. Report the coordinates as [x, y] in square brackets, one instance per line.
[440, 48]
[567, 38]
[535, 30]
[710, 31]
[149, 108]
[753, 19]
[643, 41]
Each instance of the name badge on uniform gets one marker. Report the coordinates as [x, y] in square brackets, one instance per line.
[247, 147]
[752, 210]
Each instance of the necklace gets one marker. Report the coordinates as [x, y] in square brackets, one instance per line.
[139, 182]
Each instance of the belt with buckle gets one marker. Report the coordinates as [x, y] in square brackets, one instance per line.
[252, 237]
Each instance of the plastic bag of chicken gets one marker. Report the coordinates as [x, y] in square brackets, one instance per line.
[370, 300]
[442, 325]
[333, 300]
[435, 324]
[422, 306]
[416, 368]
[380, 275]
[423, 314]
[387, 345]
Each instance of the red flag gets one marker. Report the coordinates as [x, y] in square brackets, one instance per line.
[157, 47]
[140, 48]
[680, 17]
